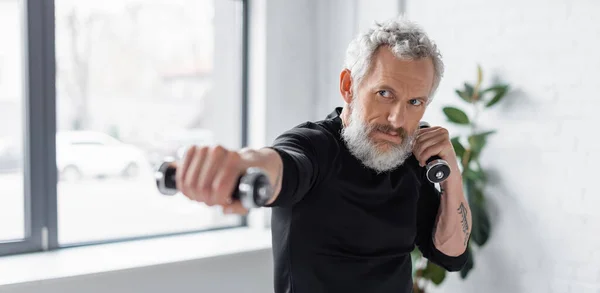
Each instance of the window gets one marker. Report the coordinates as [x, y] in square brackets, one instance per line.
[112, 89]
[12, 196]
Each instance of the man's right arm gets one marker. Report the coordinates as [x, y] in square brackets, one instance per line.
[294, 163]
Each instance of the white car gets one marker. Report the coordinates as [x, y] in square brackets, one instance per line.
[82, 154]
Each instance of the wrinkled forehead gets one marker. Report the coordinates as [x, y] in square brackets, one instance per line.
[415, 75]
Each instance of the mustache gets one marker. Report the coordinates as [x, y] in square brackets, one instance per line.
[388, 128]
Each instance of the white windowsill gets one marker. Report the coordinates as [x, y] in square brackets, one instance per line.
[133, 254]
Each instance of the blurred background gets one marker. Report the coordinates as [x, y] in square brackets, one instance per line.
[95, 94]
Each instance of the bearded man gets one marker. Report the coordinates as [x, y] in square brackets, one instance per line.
[351, 199]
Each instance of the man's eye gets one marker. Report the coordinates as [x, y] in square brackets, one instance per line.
[384, 93]
[416, 102]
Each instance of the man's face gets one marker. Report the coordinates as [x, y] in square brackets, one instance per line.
[386, 109]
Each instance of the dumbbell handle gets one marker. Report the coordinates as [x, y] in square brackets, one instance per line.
[253, 188]
[437, 170]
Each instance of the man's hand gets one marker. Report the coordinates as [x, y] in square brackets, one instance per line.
[210, 175]
[433, 141]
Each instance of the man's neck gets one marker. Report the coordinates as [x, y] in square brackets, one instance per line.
[345, 115]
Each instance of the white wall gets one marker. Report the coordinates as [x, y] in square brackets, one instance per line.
[283, 62]
[339, 21]
[546, 234]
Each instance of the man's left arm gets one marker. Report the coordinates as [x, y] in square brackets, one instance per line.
[452, 224]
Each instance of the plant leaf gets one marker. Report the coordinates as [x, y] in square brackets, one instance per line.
[478, 141]
[468, 265]
[475, 175]
[415, 256]
[500, 91]
[456, 115]
[466, 159]
[479, 75]
[458, 147]
[434, 273]
[469, 90]
[464, 96]
[480, 230]
[476, 96]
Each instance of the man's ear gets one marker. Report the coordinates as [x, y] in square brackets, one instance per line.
[346, 85]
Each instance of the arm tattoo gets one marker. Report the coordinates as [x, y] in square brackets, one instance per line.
[465, 225]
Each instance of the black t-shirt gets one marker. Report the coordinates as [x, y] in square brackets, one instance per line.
[338, 226]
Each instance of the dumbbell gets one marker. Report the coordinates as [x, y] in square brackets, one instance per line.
[437, 170]
[253, 187]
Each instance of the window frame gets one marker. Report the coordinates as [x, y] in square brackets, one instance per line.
[40, 171]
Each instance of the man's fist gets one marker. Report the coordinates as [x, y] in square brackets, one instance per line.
[210, 175]
[433, 141]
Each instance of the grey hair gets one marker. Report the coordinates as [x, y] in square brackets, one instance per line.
[406, 39]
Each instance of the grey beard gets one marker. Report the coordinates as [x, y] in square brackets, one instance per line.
[356, 136]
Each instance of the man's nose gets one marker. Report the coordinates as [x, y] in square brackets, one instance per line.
[397, 115]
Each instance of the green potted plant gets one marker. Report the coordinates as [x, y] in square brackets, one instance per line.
[468, 149]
